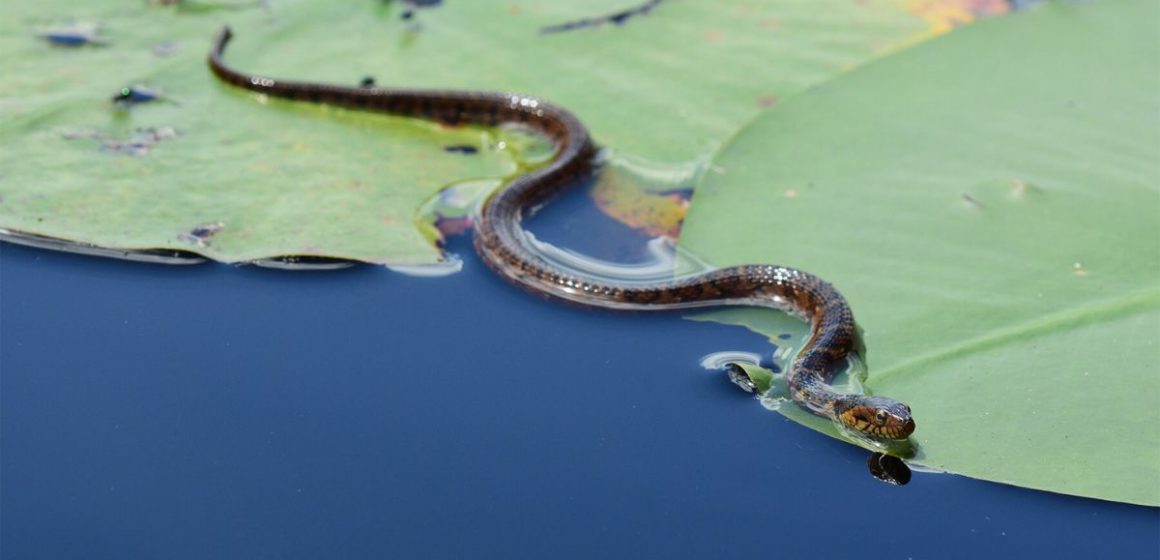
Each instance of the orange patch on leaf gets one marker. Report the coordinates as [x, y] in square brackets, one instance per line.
[946, 15]
[656, 214]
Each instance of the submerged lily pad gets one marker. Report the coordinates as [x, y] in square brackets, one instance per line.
[274, 178]
[988, 203]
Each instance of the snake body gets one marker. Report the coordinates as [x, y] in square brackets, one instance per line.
[506, 247]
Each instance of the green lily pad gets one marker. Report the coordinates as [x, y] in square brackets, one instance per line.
[224, 173]
[988, 203]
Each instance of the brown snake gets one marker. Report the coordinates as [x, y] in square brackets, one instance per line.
[503, 244]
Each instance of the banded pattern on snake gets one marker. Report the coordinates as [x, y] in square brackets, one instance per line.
[506, 248]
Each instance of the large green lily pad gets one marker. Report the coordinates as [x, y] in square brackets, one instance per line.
[988, 203]
[275, 178]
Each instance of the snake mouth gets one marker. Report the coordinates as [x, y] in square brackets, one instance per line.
[894, 429]
[901, 430]
[888, 433]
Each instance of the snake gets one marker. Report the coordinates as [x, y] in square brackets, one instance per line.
[508, 249]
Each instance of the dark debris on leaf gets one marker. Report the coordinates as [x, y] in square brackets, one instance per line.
[615, 18]
[466, 149]
[131, 95]
[139, 144]
[193, 6]
[73, 35]
[200, 234]
[166, 48]
[410, 7]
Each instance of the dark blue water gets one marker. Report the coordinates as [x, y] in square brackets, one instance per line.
[219, 412]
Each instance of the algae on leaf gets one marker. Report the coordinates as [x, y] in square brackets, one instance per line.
[988, 201]
[282, 178]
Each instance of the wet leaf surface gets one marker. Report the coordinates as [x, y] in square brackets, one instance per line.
[988, 203]
[668, 86]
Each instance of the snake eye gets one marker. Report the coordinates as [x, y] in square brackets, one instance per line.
[880, 416]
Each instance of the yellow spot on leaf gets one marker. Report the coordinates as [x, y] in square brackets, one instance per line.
[654, 213]
[946, 15]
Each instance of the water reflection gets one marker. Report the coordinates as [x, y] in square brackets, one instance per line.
[161, 256]
[663, 260]
[888, 469]
[887, 460]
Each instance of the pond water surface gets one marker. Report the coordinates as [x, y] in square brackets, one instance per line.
[219, 412]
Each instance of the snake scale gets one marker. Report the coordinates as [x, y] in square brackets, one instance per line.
[506, 247]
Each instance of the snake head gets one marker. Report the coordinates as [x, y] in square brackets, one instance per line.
[877, 417]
